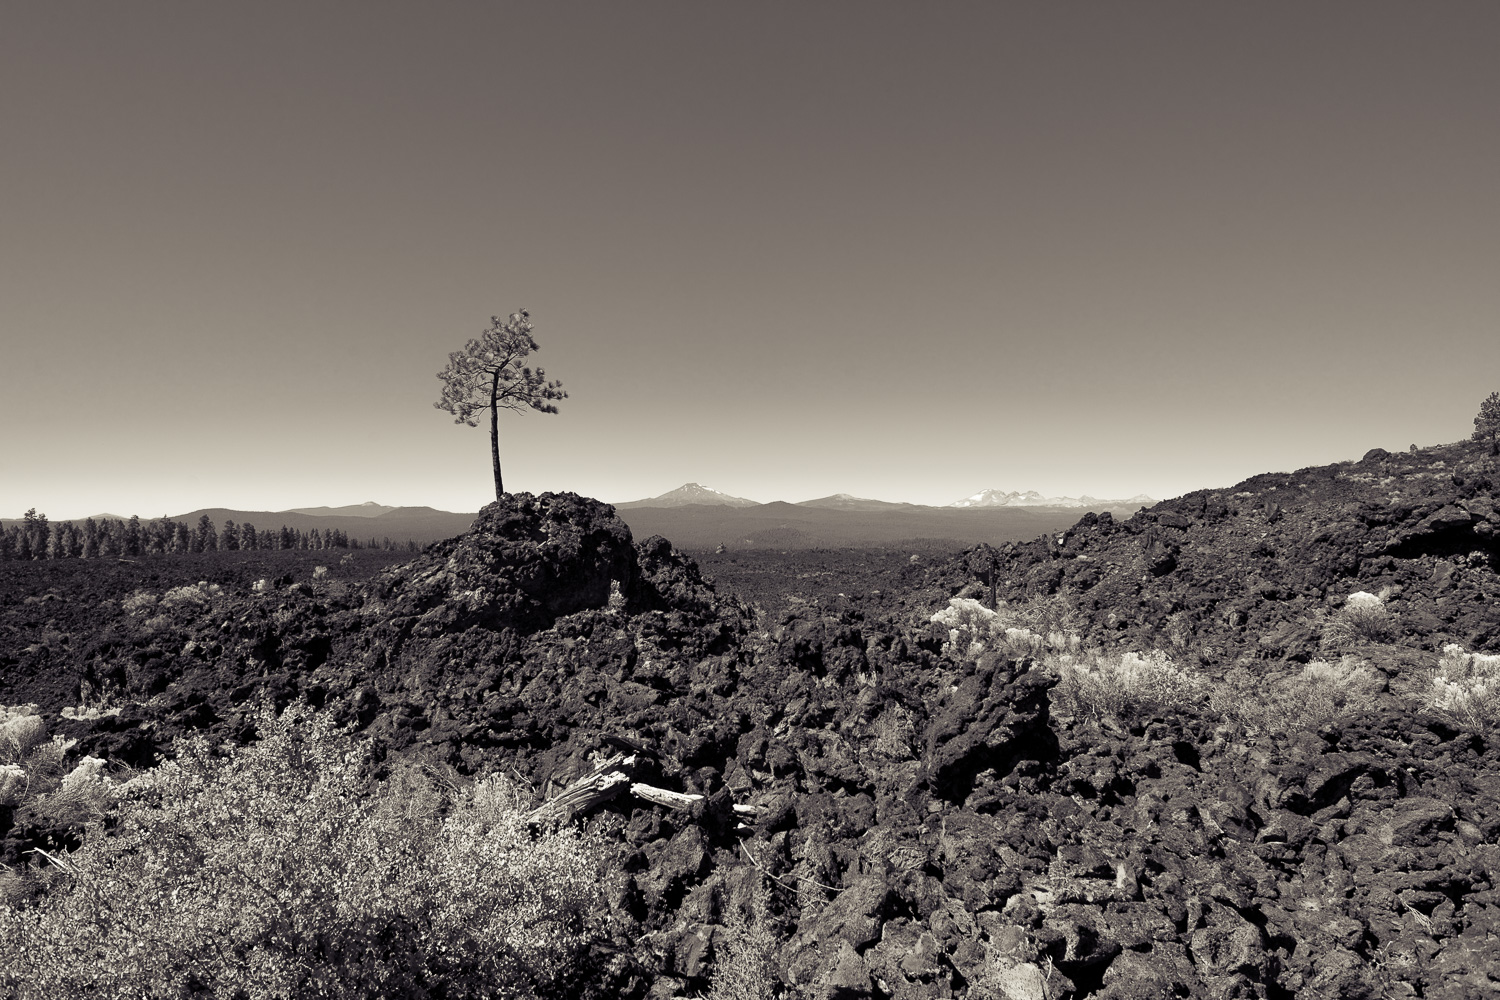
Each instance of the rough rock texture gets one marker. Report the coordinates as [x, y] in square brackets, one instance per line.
[927, 825]
[1254, 569]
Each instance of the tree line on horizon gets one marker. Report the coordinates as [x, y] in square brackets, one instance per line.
[101, 538]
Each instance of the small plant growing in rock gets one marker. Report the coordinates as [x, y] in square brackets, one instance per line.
[192, 596]
[1364, 618]
[970, 625]
[139, 603]
[1319, 694]
[1012, 631]
[1466, 688]
[1126, 686]
[745, 959]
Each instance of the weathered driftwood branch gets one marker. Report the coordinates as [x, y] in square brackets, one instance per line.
[66, 866]
[600, 785]
[588, 792]
[662, 797]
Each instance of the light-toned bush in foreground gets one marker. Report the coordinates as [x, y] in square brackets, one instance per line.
[1466, 688]
[283, 870]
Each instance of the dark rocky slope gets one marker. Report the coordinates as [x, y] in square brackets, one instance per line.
[927, 825]
[1253, 569]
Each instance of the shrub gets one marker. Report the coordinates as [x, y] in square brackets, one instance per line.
[970, 625]
[21, 730]
[1321, 693]
[198, 596]
[12, 784]
[139, 602]
[26, 750]
[745, 965]
[1364, 618]
[1015, 631]
[1124, 687]
[283, 869]
[1466, 688]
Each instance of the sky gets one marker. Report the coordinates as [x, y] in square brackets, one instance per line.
[904, 251]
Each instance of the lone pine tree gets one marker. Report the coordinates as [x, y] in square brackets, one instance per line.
[488, 375]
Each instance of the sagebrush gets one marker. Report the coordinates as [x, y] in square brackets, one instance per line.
[285, 869]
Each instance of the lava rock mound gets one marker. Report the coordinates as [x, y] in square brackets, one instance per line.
[526, 561]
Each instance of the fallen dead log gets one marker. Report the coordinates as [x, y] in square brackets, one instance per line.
[587, 793]
[663, 797]
[603, 783]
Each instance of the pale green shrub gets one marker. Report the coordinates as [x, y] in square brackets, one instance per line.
[198, 596]
[1364, 618]
[970, 625]
[139, 602]
[1466, 688]
[32, 764]
[1319, 694]
[283, 869]
[744, 961]
[1124, 686]
[12, 784]
[21, 731]
[1013, 631]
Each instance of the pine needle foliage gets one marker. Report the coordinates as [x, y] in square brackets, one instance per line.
[1487, 423]
[489, 374]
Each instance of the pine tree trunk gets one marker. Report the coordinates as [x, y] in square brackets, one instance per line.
[495, 435]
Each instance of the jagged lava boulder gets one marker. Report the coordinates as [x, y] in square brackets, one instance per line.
[526, 561]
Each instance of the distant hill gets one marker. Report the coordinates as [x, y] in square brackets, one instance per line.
[698, 517]
[367, 509]
[695, 517]
[843, 501]
[689, 494]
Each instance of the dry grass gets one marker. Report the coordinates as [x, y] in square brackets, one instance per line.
[1319, 694]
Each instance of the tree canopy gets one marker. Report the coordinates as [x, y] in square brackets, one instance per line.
[489, 375]
[1487, 423]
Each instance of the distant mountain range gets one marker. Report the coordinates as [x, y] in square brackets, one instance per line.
[1031, 498]
[694, 516]
[693, 494]
[697, 517]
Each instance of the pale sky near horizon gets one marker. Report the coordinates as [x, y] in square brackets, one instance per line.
[903, 251]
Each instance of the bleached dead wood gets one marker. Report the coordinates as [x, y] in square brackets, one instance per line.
[663, 797]
[588, 792]
[603, 783]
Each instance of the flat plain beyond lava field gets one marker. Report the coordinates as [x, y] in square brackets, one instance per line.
[1245, 743]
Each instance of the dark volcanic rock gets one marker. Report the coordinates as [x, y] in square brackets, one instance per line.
[527, 561]
[908, 821]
